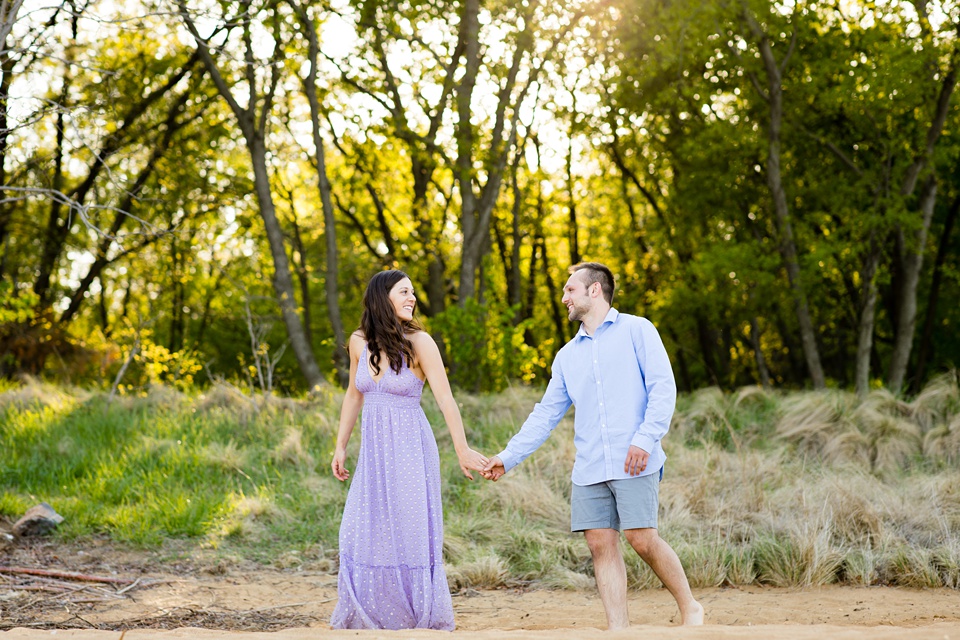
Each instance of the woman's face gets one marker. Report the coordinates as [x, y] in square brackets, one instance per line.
[403, 299]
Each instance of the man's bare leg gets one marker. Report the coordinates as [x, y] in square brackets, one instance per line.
[664, 561]
[611, 575]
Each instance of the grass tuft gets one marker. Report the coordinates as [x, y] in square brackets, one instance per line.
[484, 572]
[225, 455]
[291, 450]
[803, 557]
[942, 443]
[705, 562]
[861, 567]
[946, 560]
[33, 393]
[912, 567]
[937, 401]
[740, 564]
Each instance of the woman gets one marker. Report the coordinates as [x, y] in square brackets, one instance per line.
[391, 536]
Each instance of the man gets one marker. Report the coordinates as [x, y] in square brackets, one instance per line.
[617, 374]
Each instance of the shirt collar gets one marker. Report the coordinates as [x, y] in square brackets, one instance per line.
[611, 317]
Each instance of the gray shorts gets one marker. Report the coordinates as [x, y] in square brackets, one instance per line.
[631, 503]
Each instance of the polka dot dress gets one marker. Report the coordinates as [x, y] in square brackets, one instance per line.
[391, 536]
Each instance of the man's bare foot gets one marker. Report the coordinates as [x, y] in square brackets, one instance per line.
[693, 614]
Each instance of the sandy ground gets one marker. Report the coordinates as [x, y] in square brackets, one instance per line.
[305, 599]
[240, 600]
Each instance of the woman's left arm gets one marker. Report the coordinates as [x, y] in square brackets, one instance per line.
[430, 362]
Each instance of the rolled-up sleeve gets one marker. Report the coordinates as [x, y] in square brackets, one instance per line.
[660, 386]
[544, 418]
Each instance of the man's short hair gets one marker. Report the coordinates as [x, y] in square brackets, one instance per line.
[596, 272]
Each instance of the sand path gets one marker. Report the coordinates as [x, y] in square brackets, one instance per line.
[306, 599]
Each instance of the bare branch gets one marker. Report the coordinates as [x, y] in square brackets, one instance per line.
[203, 48]
[844, 158]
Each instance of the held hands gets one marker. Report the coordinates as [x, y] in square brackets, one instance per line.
[636, 461]
[340, 471]
[635, 464]
[471, 460]
[494, 469]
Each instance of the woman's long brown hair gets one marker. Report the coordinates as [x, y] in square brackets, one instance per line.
[381, 327]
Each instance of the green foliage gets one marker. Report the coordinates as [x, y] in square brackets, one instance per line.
[484, 346]
[646, 147]
[16, 306]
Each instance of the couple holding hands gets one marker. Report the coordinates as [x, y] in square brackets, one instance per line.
[617, 373]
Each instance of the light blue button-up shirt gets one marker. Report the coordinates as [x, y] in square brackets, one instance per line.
[622, 385]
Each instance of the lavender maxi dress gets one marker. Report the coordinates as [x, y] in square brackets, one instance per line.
[391, 536]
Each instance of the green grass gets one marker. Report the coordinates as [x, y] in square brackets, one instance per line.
[786, 489]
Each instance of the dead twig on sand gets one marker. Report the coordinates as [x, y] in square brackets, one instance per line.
[129, 587]
[63, 588]
[66, 575]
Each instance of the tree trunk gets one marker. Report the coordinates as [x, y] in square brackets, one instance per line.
[6, 77]
[554, 293]
[253, 126]
[573, 235]
[207, 307]
[762, 369]
[788, 247]
[686, 383]
[175, 342]
[299, 259]
[477, 209]
[331, 286]
[282, 280]
[103, 314]
[868, 314]
[530, 300]
[423, 153]
[56, 228]
[914, 249]
[707, 346]
[514, 280]
[788, 250]
[470, 36]
[510, 257]
[912, 265]
[933, 299]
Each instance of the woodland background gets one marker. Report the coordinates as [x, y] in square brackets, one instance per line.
[197, 191]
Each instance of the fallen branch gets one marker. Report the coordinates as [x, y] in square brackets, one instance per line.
[128, 587]
[67, 575]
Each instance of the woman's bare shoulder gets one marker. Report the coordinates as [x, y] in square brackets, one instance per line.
[423, 343]
[357, 342]
[420, 337]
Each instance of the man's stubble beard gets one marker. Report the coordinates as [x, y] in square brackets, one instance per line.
[577, 312]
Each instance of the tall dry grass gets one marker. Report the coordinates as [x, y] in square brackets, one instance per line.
[791, 489]
[782, 488]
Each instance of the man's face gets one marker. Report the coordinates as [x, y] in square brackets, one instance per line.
[576, 295]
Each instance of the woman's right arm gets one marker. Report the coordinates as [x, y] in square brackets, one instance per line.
[352, 403]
